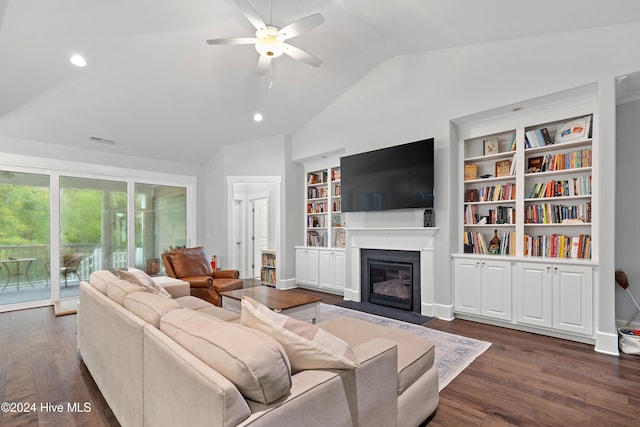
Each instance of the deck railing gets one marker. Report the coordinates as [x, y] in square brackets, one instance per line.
[39, 271]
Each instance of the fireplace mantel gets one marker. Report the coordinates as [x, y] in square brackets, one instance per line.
[400, 238]
[396, 238]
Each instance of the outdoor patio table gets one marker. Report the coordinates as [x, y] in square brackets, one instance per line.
[18, 270]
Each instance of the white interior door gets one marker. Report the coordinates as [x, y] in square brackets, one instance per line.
[260, 231]
[236, 255]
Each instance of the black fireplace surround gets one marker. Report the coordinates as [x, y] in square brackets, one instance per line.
[390, 278]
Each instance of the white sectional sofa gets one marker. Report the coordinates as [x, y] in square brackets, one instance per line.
[183, 362]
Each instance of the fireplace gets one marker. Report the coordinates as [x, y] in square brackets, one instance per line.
[391, 278]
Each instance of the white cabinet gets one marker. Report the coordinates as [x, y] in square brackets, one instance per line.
[307, 267]
[534, 290]
[556, 296]
[483, 287]
[332, 270]
[573, 299]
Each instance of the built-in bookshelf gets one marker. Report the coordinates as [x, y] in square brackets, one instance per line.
[268, 267]
[552, 214]
[558, 189]
[324, 218]
[489, 199]
[528, 179]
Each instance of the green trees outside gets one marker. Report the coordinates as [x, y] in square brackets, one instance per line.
[24, 215]
[25, 218]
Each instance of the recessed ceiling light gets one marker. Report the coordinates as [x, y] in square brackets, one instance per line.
[78, 61]
[257, 117]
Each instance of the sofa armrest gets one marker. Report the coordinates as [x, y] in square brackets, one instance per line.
[226, 274]
[198, 281]
[376, 382]
[366, 396]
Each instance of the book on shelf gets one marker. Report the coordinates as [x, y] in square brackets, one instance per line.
[491, 146]
[503, 167]
[335, 174]
[575, 186]
[545, 136]
[316, 239]
[470, 172]
[512, 143]
[471, 195]
[532, 139]
[558, 246]
[315, 178]
[540, 137]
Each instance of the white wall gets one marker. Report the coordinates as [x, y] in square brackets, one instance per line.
[627, 234]
[53, 152]
[266, 157]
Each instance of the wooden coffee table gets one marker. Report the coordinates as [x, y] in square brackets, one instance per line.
[295, 304]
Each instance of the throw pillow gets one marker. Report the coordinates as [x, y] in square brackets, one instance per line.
[149, 307]
[118, 289]
[100, 280]
[254, 362]
[307, 346]
[139, 277]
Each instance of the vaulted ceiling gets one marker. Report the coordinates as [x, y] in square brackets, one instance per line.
[158, 90]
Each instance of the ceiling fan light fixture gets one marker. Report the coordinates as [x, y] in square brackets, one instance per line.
[269, 46]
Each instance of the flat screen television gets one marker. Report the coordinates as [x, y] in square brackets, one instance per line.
[399, 177]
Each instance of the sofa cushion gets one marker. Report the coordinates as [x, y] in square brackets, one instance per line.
[141, 278]
[100, 280]
[118, 289]
[415, 354]
[255, 363]
[307, 346]
[190, 262]
[148, 306]
[207, 308]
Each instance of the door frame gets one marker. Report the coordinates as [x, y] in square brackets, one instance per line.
[276, 200]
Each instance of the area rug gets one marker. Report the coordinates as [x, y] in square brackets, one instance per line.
[392, 313]
[453, 352]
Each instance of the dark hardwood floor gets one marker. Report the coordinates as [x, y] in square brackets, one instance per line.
[522, 379]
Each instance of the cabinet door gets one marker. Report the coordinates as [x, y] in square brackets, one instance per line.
[325, 266]
[312, 267]
[307, 267]
[573, 299]
[340, 264]
[468, 286]
[301, 269]
[496, 289]
[534, 297]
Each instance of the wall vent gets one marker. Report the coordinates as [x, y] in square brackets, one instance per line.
[102, 140]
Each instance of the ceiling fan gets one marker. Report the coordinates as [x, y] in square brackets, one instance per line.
[270, 40]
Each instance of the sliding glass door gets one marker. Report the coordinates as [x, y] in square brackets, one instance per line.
[24, 237]
[56, 227]
[93, 229]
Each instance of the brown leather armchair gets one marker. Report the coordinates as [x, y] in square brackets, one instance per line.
[192, 265]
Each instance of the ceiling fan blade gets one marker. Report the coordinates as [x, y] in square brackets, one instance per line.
[237, 40]
[301, 55]
[301, 26]
[263, 64]
[251, 14]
